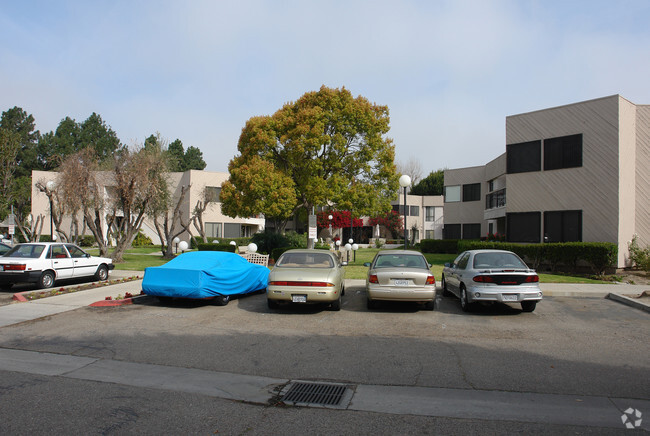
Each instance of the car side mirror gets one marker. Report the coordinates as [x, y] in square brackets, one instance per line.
[366, 264]
[447, 265]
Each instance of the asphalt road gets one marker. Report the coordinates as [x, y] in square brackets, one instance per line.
[586, 347]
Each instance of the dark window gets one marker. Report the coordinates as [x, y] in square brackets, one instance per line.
[471, 231]
[462, 263]
[414, 210]
[231, 230]
[524, 157]
[563, 152]
[451, 231]
[213, 193]
[496, 199]
[563, 226]
[523, 227]
[472, 192]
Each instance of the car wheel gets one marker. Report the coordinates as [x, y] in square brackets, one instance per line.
[528, 306]
[464, 304]
[336, 305]
[371, 304]
[272, 304]
[429, 305]
[102, 273]
[222, 300]
[46, 280]
[342, 291]
[445, 291]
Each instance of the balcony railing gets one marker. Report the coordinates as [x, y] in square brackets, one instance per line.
[495, 199]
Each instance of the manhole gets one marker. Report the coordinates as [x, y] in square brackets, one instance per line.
[323, 394]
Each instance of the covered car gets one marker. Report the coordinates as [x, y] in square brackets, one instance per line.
[205, 274]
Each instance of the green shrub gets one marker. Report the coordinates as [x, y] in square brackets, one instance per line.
[277, 252]
[217, 247]
[268, 241]
[141, 240]
[86, 241]
[640, 257]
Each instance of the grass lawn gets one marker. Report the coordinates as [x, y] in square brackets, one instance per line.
[137, 259]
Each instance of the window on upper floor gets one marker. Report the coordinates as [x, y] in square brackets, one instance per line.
[429, 213]
[414, 210]
[472, 192]
[524, 157]
[563, 152]
[452, 194]
[213, 193]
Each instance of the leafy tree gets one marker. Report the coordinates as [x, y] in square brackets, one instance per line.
[176, 155]
[431, 185]
[9, 149]
[16, 121]
[95, 133]
[326, 148]
[193, 159]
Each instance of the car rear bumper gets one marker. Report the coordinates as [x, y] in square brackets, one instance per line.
[401, 293]
[313, 295]
[8, 277]
[507, 295]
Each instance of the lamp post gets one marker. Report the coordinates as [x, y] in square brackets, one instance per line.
[175, 241]
[330, 217]
[404, 182]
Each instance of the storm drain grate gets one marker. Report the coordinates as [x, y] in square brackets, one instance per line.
[315, 393]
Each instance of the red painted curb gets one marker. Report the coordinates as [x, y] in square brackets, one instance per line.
[112, 303]
[19, 296]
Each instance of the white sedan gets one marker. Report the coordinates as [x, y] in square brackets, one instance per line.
[44, 263]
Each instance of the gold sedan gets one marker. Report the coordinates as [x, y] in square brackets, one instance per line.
[400, 275]
[306, 277]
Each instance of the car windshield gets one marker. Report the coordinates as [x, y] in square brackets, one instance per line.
[26, 250]
[305, 260]
[497, 260]
[400, 260]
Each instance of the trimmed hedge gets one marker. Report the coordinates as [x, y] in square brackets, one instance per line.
[447, 246]
[217, 247]
[599, 255]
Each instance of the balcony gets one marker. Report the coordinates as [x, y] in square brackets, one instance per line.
[495, 203]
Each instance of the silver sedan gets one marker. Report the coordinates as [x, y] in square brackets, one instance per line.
[400, 275]
[488, 276]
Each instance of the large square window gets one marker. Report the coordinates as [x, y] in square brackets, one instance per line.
[452, 194]
[523, 226]
[563, 152]
[451, 231]
[524, 157]
[471, 231]
[472, 192]
[563, 226]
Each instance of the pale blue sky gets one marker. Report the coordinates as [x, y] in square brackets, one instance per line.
[449, 71]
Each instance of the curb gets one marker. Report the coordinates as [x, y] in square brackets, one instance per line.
[19, 297]
[112, 303]
[629, 302]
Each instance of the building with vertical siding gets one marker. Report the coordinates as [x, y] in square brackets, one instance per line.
[579, 172]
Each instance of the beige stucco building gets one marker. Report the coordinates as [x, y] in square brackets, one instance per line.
[579, 172]
[217, 225]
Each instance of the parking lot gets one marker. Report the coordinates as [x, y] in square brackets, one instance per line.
[588, 346]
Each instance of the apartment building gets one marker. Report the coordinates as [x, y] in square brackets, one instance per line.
[216, 224]
[578, 172]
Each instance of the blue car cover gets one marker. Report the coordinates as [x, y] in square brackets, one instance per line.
[205, 274]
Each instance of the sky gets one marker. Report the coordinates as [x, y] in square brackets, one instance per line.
[450, 72]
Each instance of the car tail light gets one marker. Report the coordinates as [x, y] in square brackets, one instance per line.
[14, 267]
[532, 279]
[303, 284]
[483, 279]
[431, 280]
[373, 278]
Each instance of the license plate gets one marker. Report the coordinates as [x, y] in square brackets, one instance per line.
[299, 298]
[509, 297]
[401, 282]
